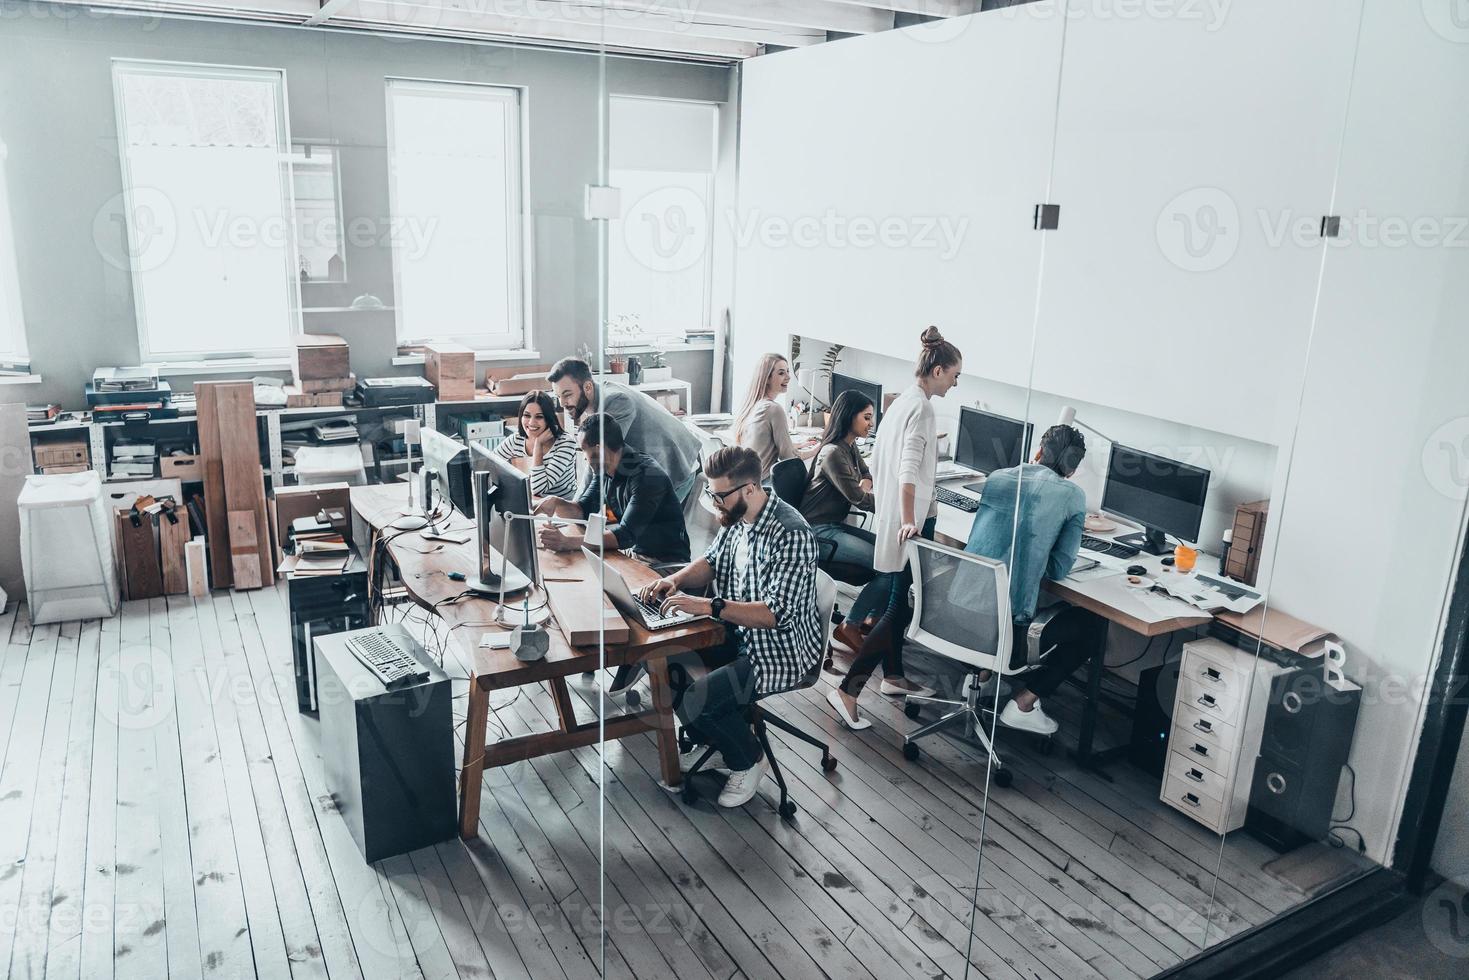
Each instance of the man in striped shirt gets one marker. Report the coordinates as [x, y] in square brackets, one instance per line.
[763, 568]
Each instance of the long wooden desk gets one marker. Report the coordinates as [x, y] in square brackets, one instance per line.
[423, 567]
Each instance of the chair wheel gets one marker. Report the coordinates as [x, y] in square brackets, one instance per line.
[685, 744]
[829, 763]
[689, 793]
[634, 698]
[830, 666]
[910, 709]
[910, 751]
[1004, 778]
[787, 810]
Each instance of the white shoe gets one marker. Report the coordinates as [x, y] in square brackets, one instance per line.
[1035, 720]
[855, 722]
[743, 785]
[687, 759]
[905, 688]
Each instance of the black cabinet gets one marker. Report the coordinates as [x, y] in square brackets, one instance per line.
[320, 605]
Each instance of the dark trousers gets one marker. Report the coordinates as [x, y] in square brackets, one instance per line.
[714, 708]
[1076, 642]
[884, 644]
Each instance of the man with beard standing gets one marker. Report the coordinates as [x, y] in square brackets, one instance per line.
[646, 426]
[763, 568]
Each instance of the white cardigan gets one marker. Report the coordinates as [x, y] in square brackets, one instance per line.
[906, 452]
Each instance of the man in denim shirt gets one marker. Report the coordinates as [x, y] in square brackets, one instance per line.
[1046, 540]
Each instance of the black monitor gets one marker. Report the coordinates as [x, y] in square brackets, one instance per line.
[842, 382]
[1163, 495]
[989, 442]
[447, 460]
[500, 488]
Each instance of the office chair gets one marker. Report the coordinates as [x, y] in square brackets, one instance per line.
[761, 717]
[788, 480]
[962, 613]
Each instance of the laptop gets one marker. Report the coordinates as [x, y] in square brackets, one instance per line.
[627, 601]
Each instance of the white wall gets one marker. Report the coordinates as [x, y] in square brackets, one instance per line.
[1365, 400]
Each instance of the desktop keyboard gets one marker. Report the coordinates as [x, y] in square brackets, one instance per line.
[385, 658]
[1104, 547]
[955, 499]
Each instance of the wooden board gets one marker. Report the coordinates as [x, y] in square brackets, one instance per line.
[585, 615]
[196, 567]
[244, 550]
[318, 356]
[139, 570]
[173, 537]
[211, 461]
[15, 449]
[244, 489]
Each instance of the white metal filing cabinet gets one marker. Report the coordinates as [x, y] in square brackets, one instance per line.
[1218, 719]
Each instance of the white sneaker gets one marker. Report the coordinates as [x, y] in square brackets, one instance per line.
[1035, 720]
[853, 721]
[903, 687]
[687, 759]
[743, 785]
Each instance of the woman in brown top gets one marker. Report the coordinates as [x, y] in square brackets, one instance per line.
[839, 481]
[761, 423]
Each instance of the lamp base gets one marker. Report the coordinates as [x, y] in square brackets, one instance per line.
[412, 520]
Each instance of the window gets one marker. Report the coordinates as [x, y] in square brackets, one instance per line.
[12, 322]
[207, 200]
[319, 233]
[659, 256]
[456, 202]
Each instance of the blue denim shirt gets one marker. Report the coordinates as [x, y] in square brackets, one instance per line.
[1052, 517]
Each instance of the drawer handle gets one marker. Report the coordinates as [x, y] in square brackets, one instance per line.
[1195, 774]
[1292, 702]
[1275, 782]
[1211, 675]
[1191, 800]
[1200, 749]
[1204, 727]
[1207, 700]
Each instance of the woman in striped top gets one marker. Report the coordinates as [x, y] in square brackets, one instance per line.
[550, 448]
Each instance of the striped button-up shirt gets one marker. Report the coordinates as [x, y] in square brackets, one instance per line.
[778, 569]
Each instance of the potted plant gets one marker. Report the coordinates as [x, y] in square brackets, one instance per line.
[656, 367]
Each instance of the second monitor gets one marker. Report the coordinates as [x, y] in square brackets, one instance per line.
[873, 390]
[508, 545]
[1162, 494]
[989, 442]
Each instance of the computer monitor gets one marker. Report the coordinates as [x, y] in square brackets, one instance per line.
[500, 488]
[447, 460]
[989, 442]
[1163, 495]
[842, 382]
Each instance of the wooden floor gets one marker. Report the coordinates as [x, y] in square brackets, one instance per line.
[163, 813]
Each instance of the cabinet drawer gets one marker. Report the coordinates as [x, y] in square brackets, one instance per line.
[1208, 752]
[1219, 703]
[1213, 672]
[1186, 798]
[1202, 725]
[1197, 776]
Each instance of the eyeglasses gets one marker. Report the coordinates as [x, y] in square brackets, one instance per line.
[720, 498]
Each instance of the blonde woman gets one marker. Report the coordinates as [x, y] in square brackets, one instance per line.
[761, 424]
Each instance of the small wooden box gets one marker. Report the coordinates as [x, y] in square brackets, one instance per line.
[319, 356]
[296, 397]
[70, 452]
[1247, 542]
[183, 468]
[450, 369]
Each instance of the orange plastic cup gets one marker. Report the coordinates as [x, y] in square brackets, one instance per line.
[1184, 558]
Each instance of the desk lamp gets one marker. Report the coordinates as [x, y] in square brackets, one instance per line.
[414, 517]
[1068, 417]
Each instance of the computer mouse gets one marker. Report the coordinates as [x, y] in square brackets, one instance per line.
[1137, 570]
[1168, 560]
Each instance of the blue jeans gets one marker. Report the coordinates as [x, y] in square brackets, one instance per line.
[876, 595]
[843, 544]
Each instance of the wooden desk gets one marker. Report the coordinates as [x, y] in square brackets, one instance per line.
[423, 567]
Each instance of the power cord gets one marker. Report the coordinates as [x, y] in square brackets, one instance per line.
[1332, 836]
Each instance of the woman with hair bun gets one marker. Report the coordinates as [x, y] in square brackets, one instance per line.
[905, 460]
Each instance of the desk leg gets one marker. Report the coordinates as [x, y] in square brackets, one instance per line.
[1095, 667]
[663, 706]
[471, 774]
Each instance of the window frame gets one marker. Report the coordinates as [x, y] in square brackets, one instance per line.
[339, 215]
[517, 200]
[292, 279]
[13, 349]
[711, 201]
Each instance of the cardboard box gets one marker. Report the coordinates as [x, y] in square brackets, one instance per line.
[183, 468]
[316, 357]
[450, 369]
[296, 397]
[68, 452]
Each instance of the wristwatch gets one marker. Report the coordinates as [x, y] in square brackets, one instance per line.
[716, 607]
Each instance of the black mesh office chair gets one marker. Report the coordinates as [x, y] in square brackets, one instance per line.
[789, 479]
[761, 717]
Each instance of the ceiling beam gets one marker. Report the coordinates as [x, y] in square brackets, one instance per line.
[930, 8]
[328, 9]
[821, 15]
